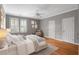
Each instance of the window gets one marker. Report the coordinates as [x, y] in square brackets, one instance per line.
[23, 25]
[14, 25]
[17, 25]
[34, 24]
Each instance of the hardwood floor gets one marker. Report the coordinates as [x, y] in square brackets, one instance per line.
[64, 48]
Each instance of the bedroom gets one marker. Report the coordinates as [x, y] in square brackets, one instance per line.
[57, 24]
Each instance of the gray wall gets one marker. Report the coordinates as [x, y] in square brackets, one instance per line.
[58, 20]
[29, 26]
[44, 26]
[78, 25]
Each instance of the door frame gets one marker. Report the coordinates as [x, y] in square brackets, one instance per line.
[65, 32]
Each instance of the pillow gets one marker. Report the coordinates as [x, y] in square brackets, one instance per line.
[13, 39]
[21, 37]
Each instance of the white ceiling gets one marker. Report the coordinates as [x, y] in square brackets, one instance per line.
[45, 10]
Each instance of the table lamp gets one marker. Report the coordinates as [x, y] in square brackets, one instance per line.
[3, 34]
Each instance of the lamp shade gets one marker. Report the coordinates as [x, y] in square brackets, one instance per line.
[3, 34]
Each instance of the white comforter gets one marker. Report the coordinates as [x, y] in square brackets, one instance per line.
[38, 42]
[17, 45]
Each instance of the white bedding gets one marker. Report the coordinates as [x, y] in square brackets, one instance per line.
[21, 48]
[4, 50]
[17, 45]
[38, 42]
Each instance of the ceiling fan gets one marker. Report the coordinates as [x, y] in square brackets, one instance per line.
[38, 14]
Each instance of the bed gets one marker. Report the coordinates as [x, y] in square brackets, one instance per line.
[23, 45]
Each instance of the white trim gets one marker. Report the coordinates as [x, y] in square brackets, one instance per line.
[68, 29]
[59, 13]
[62, 40]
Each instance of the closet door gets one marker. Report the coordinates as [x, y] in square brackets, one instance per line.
[68, 29]
[51, 29]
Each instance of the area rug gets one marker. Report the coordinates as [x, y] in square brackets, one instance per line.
[47, 51]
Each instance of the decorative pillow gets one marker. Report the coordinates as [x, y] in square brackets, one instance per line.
[14, 38]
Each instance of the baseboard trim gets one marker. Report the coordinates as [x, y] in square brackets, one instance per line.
[61, 40]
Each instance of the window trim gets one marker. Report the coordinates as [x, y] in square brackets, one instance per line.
[19, 19]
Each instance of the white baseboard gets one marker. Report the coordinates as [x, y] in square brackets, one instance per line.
[62, 40]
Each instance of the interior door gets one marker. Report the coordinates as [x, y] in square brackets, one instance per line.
[68, 29]
[51, 29]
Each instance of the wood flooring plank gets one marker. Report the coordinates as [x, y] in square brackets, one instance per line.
[64, 47]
